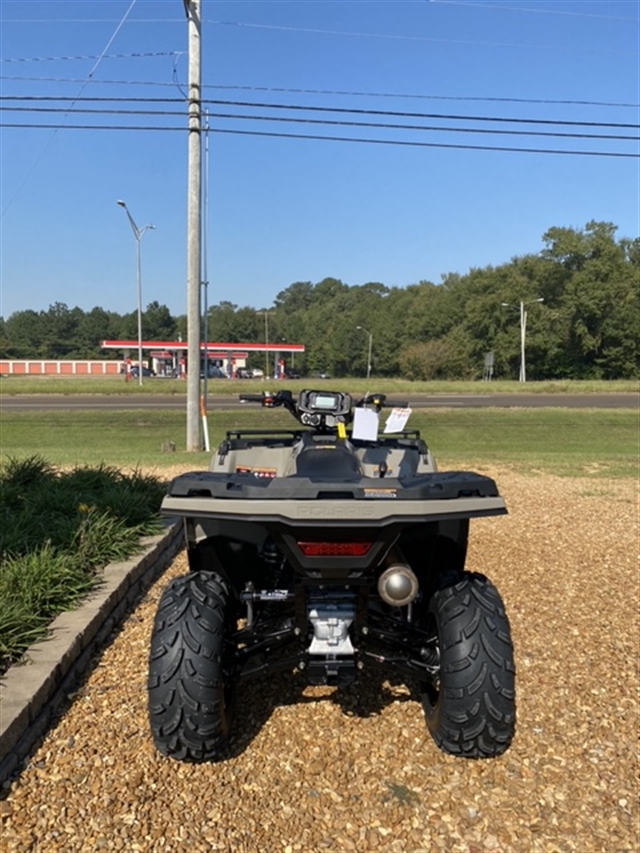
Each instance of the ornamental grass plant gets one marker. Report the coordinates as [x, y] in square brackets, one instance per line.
[57, 530]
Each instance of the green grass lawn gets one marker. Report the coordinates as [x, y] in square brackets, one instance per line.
[58, 526]
[582, 442]
[356, 385]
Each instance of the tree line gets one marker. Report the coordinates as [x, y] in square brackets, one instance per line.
[581, 294]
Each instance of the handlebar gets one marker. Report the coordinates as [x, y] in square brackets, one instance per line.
[344, 404]
[271, 400]
[326, 412]
[380, 402]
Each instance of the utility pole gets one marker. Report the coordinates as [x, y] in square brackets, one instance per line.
[267, 314]
[369, 351]
[194, 224]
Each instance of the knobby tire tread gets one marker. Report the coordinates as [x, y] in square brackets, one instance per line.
[189, 692]
[473, 713]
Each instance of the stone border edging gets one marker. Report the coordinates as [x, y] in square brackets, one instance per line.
[31, 693]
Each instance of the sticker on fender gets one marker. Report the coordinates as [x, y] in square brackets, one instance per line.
[263, 473]
[385, 494]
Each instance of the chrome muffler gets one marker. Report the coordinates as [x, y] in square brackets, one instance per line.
[398, 585]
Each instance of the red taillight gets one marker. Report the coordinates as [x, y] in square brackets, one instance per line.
[335, 549]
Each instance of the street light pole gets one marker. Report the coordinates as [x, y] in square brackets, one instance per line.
[138, 233]
[523, 332]
[369, 353]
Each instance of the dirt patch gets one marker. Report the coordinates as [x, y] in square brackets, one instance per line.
[319, 770]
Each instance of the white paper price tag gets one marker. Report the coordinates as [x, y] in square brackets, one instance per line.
[397, 420]
[365, 424]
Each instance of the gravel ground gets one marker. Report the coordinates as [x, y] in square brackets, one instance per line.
[317, 770]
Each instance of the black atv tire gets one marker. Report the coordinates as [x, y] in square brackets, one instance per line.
[470, 706]
[191, 685]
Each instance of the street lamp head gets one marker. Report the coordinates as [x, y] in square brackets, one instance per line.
[121, 203]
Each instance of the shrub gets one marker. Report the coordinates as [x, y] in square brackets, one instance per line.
[57, 529]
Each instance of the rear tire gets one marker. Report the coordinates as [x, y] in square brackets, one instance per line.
[470, 707]
[191, 669]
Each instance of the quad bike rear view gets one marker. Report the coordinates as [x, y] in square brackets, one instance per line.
[327, 550]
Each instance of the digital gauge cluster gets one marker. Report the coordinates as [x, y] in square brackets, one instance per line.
[315, 406]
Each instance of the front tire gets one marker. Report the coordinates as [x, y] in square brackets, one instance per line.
[470, 705]
[191, 669]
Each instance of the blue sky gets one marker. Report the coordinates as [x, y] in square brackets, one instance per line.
[281, 209]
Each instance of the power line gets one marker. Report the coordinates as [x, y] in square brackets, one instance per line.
[537, 11]
[414, 38]
[84, 57]
[315, 109]
[426, 97]
[97, 100]
[493, 131]
[330, 122]
[325, 138]
[353, 34]
[426, 144]
[399, 114]
[339, 92]
[474, 5]
[99, 59]
[23, 21]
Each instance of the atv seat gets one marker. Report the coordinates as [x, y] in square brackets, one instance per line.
[328, 461]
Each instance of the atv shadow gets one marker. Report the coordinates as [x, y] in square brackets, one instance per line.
[258, 698]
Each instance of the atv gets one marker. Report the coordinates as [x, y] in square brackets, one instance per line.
[324, 551]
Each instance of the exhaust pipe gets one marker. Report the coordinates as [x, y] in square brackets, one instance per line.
[398, 585]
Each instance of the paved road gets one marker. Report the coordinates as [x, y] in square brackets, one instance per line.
[51, 402]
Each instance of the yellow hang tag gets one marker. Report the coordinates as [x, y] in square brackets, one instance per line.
[342, 430]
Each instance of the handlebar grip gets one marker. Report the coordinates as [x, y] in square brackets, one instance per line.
[251, 398]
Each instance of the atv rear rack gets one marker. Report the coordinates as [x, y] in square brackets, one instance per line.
[304, 500]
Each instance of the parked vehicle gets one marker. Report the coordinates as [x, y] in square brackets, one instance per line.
[328, 550]
[146, 371]
[214, 372]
